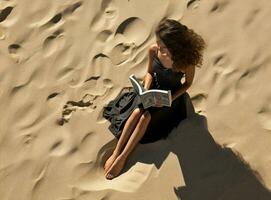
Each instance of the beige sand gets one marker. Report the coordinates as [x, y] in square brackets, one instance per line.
[62, 61]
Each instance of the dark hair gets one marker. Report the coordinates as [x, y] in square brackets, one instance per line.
[185, 46]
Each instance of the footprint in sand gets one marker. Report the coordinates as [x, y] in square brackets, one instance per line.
[250, 76]
[193, 4]
[252, 16]
[199, 102]
[5, 13]
[127, 32]
[28, 140]
[63, 14]
[108, 83]
[105, 17]
[264, 114]
[55, 19]
[52, 43]
[56, 145]
[134, 30]
[98, 64]
[99, 83]
[87, 102]
[224, 91]
[14, 48]
[109, 9]
[219, 6]
[121, 53]
[101, 66]
[49, 45]
[72, 8]
[54, 102]
[53, 95]
[95, 85]
[61, 146]
[221, 63]
[244, 83]
[15, 51]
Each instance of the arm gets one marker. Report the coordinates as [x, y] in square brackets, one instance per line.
[147, 81]
[189, 76]
[148, 77]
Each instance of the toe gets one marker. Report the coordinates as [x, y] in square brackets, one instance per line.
[109, 176]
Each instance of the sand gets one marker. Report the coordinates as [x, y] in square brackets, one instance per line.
[63, 61]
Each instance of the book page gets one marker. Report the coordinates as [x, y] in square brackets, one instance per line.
[162, 99]
[147, 100]
[151, 97]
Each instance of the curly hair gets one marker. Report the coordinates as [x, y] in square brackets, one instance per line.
[185, 46]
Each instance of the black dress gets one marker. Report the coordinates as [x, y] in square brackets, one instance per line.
[163, 119]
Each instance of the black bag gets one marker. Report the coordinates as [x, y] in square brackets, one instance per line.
[118, 110]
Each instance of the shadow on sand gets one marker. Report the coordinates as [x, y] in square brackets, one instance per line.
[210, 171]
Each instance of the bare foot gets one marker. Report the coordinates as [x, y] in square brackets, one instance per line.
[109, 162]
[115, 168]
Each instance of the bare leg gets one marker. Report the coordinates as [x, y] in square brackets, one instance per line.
[127, 130]
[138, 133]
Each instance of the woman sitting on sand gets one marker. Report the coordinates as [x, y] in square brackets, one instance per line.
[176, 53]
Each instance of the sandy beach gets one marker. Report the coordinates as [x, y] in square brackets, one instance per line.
[63, 61]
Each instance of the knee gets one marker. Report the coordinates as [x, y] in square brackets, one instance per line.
[146, 116]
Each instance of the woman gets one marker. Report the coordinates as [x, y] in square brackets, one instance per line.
[178, 50]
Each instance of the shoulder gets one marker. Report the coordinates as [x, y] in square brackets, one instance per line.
[189, 74]
[190, 71]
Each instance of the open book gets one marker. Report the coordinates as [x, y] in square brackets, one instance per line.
[151, 97]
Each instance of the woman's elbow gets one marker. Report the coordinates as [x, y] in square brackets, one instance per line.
[149, 75]
[187, 85]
